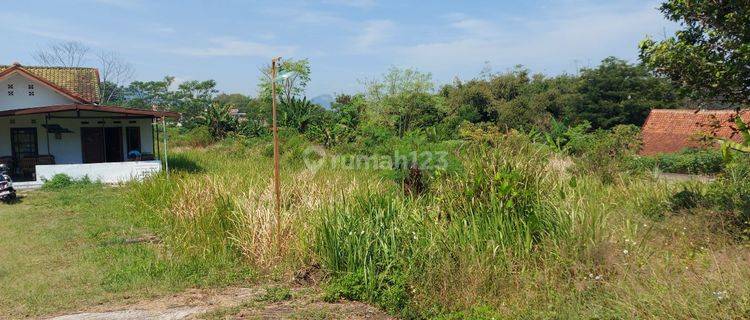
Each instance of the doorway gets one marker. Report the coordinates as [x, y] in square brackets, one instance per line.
[24, 151]
[101, 145]
[23, 143]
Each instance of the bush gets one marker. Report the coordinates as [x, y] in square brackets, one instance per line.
[604, 152]
[389, 293]
[276, 294]
[62, 181]
[500, 210]
[688, 161]
[687, 198]
[731, 193]
[199, 137]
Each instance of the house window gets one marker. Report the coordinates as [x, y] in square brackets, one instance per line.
[10, 86]
[10, 92]
[133, 136]
[31, 93]
[31, 87]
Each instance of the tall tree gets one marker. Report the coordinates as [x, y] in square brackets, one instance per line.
[145, 94]
[114, 71]
[62, 54]
[114, 74]
[403, 100]
[617, 92]
[710, 56]
[193, 97]
[293, 86]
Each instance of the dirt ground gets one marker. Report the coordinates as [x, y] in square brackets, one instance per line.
[232, 303]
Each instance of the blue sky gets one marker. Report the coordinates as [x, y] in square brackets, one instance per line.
[345, 40]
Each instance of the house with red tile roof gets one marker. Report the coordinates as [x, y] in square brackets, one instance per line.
[51, 122]
[672, 130]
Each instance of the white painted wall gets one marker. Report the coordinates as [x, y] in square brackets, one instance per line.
[112, 172]
[67, 150]
[43, 95]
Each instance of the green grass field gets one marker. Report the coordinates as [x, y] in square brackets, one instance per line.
[65, 249]
[505, 233]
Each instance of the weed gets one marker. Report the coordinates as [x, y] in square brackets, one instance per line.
[276, 294]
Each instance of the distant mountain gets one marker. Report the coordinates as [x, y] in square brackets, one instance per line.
[324, 100]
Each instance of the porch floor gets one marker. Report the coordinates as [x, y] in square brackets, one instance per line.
[27, 185]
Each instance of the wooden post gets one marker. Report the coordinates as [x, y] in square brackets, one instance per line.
[276, 174]
[166, 155]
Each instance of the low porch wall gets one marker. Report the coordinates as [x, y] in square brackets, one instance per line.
[110, 172]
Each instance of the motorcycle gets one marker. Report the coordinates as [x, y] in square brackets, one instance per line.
[7, 193]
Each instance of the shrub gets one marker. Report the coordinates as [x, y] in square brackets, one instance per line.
[731, 193]
[604, 153]
[199, 137]
[276, 294]
[687, 198]
[688, 161]
[692, 161]
[62, 181]
[475, 226]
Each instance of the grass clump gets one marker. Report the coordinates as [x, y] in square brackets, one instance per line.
[276, 294]
[466, 235]
[62, 181]
[688, 161]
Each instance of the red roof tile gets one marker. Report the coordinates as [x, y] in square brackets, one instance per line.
[671, 130]
[79, 83]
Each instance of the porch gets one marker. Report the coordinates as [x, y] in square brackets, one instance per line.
[109, 144]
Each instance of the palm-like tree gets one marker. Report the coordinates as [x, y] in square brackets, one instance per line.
[300, 114]
[219, 120]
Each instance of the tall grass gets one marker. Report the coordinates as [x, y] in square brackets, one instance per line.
[512, 233]
[222, 207]
[502, 214]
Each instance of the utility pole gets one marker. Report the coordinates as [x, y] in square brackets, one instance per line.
[276, 178]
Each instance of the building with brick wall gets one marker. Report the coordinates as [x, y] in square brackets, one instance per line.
[672, 130]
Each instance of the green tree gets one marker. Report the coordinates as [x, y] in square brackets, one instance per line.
[511, 100]
[301, 114]
[710, 55]
[114, 92]
[293, 87]
[403, 100]
[617, 92]
[193, 97]
[145, 94]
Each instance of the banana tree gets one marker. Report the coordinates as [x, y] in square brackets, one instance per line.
[727, 144]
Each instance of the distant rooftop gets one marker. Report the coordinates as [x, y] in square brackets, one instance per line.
[671, 130]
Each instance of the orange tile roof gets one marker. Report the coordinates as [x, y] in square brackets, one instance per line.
[83, 82]
[671, 130]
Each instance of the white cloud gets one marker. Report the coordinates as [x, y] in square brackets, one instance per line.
[232, 47]
[476, 27]
[547, 41]
[45, 28]
[374, 33]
